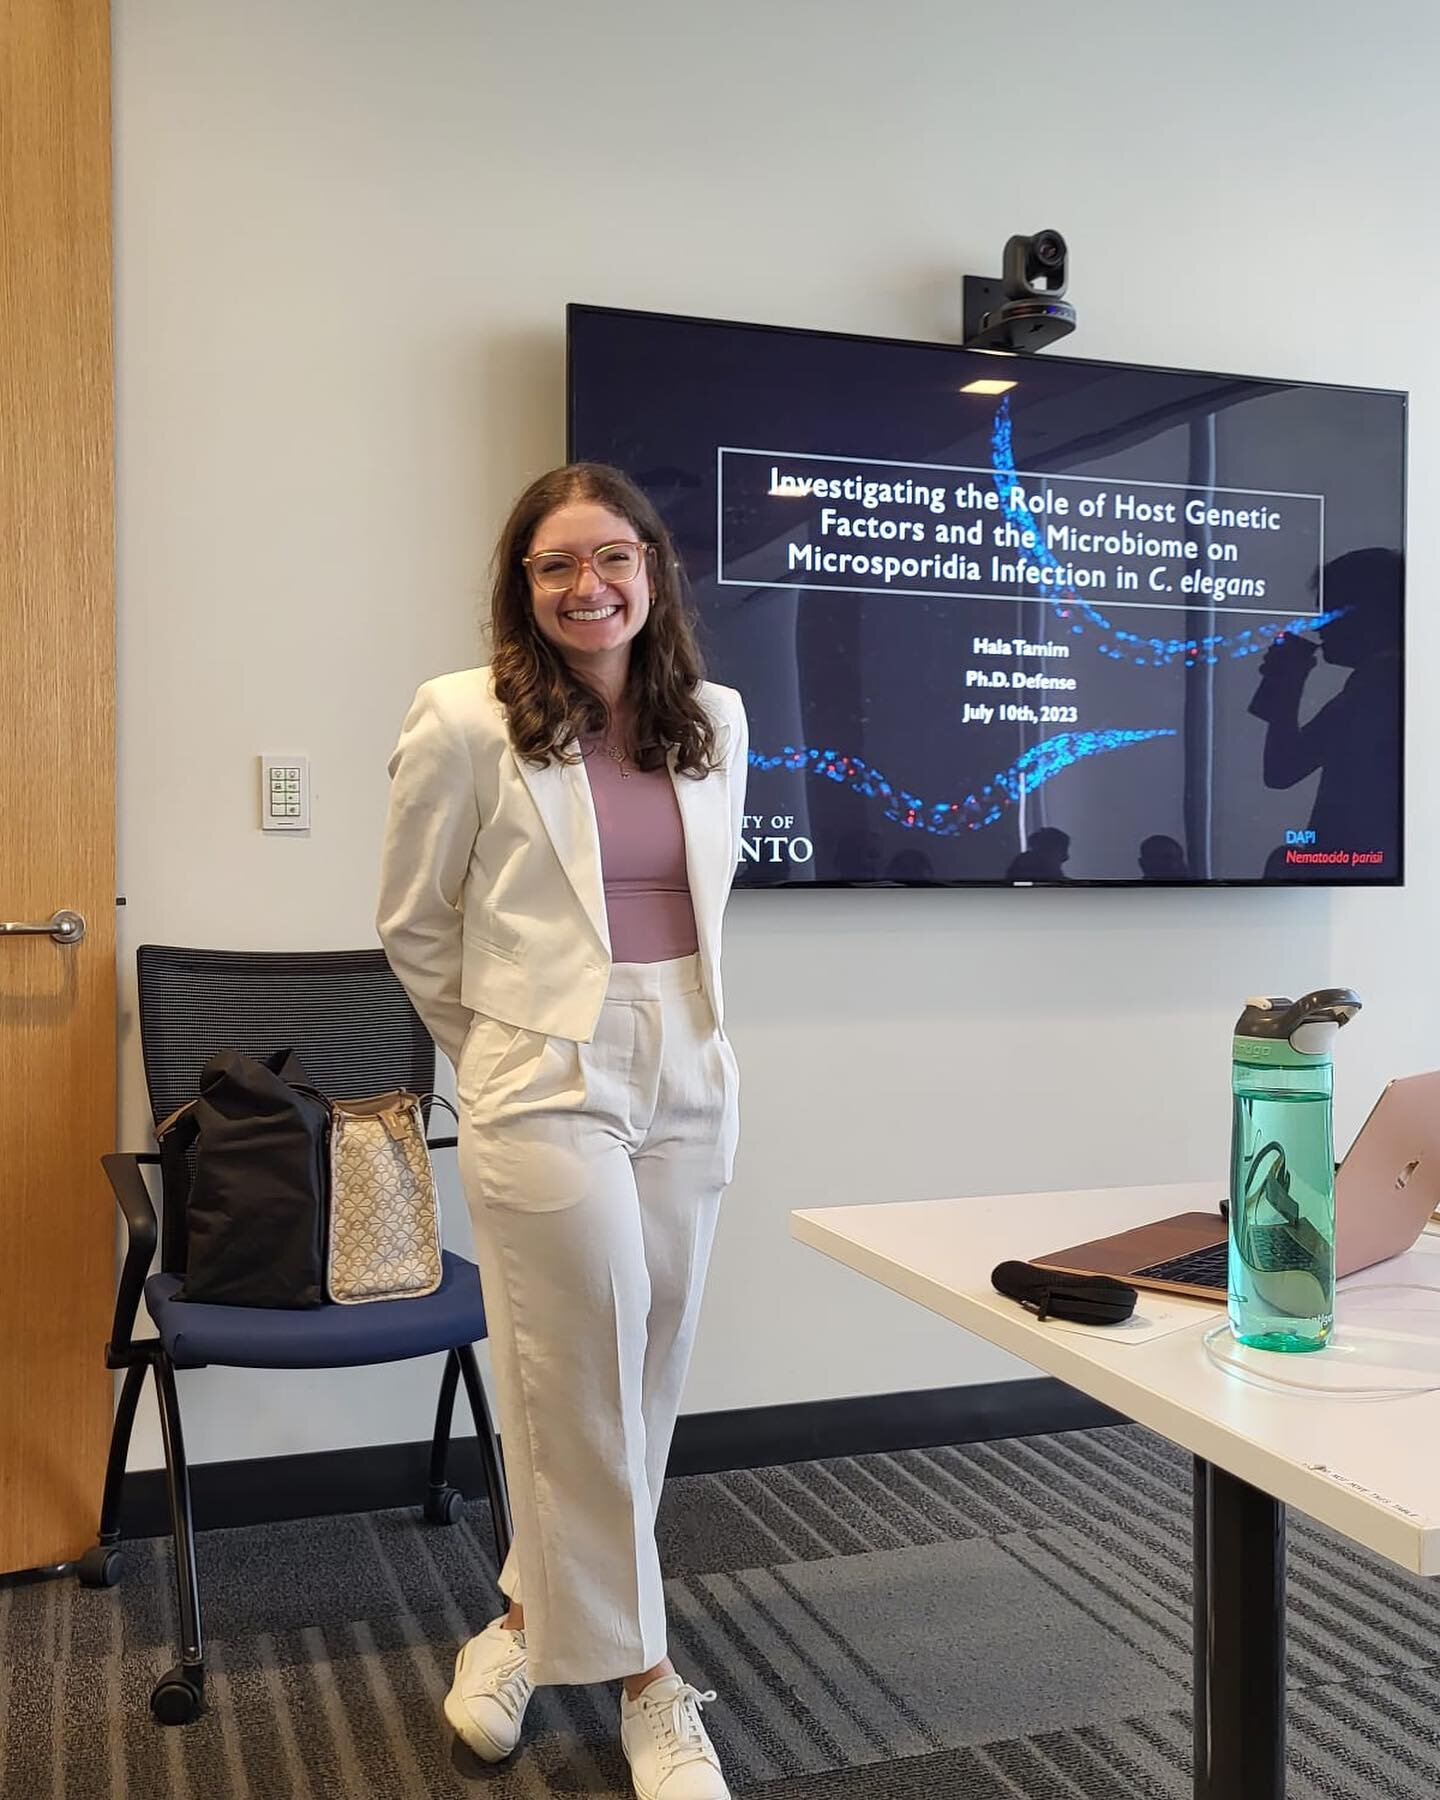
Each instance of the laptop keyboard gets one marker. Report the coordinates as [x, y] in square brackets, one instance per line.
[1206, 1267]
[1276, 1250]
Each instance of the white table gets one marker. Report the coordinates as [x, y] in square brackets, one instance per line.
[1367, 1467]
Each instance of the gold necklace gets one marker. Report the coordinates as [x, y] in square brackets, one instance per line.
[616, 754]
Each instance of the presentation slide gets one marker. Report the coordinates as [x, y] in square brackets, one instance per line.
[1025, 619]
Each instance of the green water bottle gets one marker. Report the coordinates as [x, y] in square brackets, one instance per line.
[1282, 1171]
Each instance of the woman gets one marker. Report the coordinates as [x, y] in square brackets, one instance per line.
[563, 830]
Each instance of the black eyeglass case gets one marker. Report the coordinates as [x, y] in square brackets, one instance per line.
[1051, 1293]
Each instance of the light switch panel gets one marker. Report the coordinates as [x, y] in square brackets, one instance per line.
[284, 793]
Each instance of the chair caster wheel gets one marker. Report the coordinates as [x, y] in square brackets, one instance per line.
[444, 1506]
[101, 1566]
[177, 1698]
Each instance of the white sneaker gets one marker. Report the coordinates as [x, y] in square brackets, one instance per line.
[668, 1749]
[492, 1687]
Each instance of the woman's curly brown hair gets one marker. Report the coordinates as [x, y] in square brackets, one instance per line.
[546, 702]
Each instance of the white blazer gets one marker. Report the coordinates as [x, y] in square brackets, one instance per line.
[491, 893]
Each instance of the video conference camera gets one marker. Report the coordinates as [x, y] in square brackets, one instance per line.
[1023, 311]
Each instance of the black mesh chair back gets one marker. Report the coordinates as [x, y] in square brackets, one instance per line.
[351, 1024]
[343, 1012]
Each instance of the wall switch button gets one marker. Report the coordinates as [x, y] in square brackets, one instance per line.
[284, 792]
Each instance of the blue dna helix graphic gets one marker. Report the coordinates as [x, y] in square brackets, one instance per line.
[1123, 645]
[949, 818]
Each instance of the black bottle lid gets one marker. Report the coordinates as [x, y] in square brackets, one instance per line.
[1308, 1024]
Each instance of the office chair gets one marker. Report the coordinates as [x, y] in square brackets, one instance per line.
[353, 1027]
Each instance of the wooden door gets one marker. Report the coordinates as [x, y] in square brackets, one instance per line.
[57, 775]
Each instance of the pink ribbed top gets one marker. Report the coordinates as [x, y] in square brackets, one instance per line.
[642, 858]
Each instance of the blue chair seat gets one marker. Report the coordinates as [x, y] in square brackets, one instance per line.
[319, 1337]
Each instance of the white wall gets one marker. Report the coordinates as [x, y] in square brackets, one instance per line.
[345, 237]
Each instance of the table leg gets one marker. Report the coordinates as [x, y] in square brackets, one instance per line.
[1200, 1705]
[1239, 1639]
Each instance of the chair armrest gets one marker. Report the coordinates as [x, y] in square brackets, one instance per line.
[133, 1199]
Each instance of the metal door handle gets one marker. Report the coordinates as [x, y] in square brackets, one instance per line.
[66, 928]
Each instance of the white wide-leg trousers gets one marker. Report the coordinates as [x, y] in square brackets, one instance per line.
[593, 1174]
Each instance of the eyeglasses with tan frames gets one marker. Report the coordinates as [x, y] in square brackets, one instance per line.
[557, 571]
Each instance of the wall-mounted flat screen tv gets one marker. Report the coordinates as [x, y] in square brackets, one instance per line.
[1004, 620]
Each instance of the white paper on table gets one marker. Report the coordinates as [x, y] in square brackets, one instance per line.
[1155, 1316]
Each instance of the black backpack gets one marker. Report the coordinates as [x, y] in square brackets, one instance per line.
[255, 1222]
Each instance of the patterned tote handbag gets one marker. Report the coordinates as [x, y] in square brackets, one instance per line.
[384, 1214]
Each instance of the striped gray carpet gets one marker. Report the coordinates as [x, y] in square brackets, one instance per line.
[968, 1624]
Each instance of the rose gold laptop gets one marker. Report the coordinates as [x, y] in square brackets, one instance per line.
[1385, 1192]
